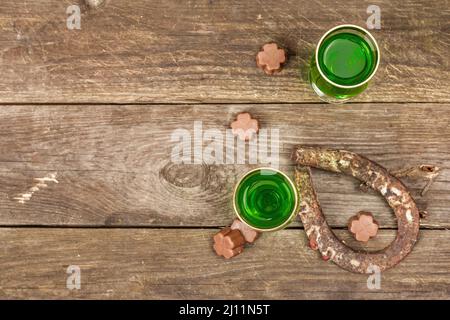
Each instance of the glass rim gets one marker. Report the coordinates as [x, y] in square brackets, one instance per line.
[341, 27]
[292, 214]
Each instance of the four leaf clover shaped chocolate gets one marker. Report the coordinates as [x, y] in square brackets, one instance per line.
[271, 58]
[363, 226]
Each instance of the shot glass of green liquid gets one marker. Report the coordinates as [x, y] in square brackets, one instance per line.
[265, 199]
[346, 58]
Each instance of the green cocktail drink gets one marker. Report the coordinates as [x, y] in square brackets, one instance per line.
[265, 199]
[345, 59]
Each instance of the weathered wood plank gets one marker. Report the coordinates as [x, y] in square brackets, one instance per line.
[113, 163]
[137, 263]
[204, 51]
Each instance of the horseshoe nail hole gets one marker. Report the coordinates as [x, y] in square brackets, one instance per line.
[94, 3]
[428, 168]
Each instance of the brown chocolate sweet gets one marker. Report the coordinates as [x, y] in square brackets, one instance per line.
[250, 235]
[228, 243]
[218, 237]
[244, 126]
[270, 58]
[363, 226]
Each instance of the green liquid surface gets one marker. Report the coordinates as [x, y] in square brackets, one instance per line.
[346, 59]
[265, 199]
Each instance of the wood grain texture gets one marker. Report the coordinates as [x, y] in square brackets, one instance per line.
[86, 119]
[204, 50]
[180, 264]
[113, 163]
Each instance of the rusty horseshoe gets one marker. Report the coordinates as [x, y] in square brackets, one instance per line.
[321, 236]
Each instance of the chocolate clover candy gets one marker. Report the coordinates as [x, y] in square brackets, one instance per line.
[245, 126]
[250, 235]
[271, 58]
[229, 243]
[363, 226]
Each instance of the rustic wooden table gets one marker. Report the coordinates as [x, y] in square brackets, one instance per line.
[86, 119]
